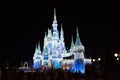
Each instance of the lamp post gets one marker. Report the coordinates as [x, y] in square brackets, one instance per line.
[117, 61]
[96, 60]
[93, 60]
[96, 63]
[99, 59]
[117, 56]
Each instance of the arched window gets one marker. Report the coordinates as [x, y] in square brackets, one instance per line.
[26, 64]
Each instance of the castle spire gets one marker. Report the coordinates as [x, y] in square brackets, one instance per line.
[36, 50]
[61, 33]
[39, 50]
[45, 35]
[78, 42]
[72, 43]
[49, 33]
[55, 25]
[45, 40]
[54, 13]
[77, 30]
[61, 29]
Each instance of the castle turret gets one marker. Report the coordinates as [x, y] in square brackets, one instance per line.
[39, 50]
[63, 48]
[72, 45]
[36, 50]
[49, 34]
[37, 57]
[55, 25]
[78, 55]
[45, 41]
[78, 42]
[78, 48]
[62, 33]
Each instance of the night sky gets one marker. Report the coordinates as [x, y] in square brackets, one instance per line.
[23, 25]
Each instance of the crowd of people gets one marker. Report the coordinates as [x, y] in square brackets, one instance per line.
[51, 74]
[92, 72]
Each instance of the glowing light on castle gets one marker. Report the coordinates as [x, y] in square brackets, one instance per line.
[54, 51]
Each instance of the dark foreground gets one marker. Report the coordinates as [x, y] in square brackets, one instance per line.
[91, 73]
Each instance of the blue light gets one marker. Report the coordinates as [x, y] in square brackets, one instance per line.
[46, 57]
[79, 66]
[36, 65]
[56, 64]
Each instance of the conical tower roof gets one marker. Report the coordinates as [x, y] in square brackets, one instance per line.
[78, 42]
[54, 13]
[72, 43]
[45, 35]
[36, 49]
[39, 50]
[61, 29]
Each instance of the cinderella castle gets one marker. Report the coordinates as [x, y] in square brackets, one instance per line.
[54, 51]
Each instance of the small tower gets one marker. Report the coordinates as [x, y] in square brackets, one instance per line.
[62, 44]
[78, 48]
[45, 41]
[72, 45]
[49, 35]
[39, 50]
[78, 55]
[37, 57]
[78, 42]
[62, 33]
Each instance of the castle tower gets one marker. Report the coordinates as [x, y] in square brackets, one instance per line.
[39, 50]
[55, 25]
[61, 33]
[49, 34]
[78, 48]
[78, 55]
[45, 41]
[62, 44]
[37, 57]
[72, 46]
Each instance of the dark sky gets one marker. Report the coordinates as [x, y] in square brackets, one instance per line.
[24, 24]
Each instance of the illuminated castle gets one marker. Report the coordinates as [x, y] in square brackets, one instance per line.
[54, 51]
